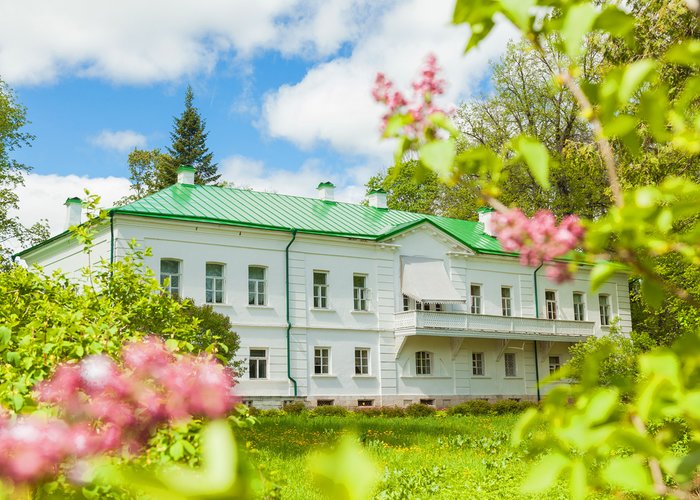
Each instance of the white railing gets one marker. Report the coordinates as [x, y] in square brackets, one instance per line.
[410, 320]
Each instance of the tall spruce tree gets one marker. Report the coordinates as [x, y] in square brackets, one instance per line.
[189, 148]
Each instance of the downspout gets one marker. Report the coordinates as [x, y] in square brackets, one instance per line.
[289, 320]
[111, 241]
[537, 315]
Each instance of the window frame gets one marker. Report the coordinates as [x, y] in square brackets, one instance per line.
[507, 302]
[215, 279]
[551, 312]
[424, 363]
[169, 288]
[322, 360]
[256, 282]
[604, 307]
[320, 290]
[258, 361]
[510, 369]
[579, 307]
[360, 295]
[475, 301]
[362, 368]
[554, 366]
[478, 364]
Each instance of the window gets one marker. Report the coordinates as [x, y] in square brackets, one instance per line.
[214, 283]
[170, 276]
[510, 364]
[256, 286]
[550, 299]
[361, 361]
[554, 363]
[424, 363]
[579, 307]
[478, 363]
[320, 290]
[506, 308]
[406, 303]
[321, 360]
[257, 364]
[475, 299]
[604, 304]
[324, 402]
[427, 402]
[365, 402]
[360, 292]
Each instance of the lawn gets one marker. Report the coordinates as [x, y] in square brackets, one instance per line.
[420, 457]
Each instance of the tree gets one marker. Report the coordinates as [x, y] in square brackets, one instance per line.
[188, 148]
[13, 120]
[144, 173]
[412, 188]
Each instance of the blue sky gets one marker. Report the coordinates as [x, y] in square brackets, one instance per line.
[284, 86]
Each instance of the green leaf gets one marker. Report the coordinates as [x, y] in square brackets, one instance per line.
[176, 450]
[578, 21]
[629, 474]
[5, 335]
[346, 473]
[395, 123]
[443, 121]
[219, 465]
[578, 482]
[633, 77]
[536, 157]
[601, 405]
[616, 22]
[686, 53]
[518, 12]
[653, 293]
[544, 474]
[439, 157]
[602, 272]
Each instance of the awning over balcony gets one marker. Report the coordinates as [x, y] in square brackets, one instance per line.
[426, 280]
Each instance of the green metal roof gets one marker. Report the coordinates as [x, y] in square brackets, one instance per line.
[247, 208]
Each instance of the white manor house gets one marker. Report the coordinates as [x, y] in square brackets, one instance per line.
[346, 304]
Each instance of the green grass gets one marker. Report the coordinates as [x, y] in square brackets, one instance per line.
[431, 457]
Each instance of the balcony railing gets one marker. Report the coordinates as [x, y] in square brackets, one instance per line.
[410, 321]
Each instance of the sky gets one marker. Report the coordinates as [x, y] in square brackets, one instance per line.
[284, 87]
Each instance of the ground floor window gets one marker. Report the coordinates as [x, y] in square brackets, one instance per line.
[321, 360]
[554, 363]
[257, 364]
[324, 402]
[361, 361]
[478, 363]
[365, 402]
[424, 363]
[510, 364]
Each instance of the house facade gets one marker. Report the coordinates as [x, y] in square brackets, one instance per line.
[345, 304]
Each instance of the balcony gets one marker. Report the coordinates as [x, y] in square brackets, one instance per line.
[450, 324]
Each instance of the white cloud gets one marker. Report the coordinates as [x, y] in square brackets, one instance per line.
[135, 41]
[249, 173]
[332, 104]
[119, 140]
[42, 196]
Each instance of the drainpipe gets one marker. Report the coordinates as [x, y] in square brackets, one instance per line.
[289, 320]
[111, 240]
[537, 315]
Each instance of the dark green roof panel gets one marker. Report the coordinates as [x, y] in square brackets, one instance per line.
[306, 215]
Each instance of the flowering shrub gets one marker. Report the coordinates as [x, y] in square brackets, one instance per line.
[106, 407]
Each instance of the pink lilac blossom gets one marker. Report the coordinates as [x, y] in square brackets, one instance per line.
[106, 407]
[419, 106]
[538, 239]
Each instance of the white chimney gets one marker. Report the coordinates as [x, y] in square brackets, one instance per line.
[485, 214]
[185, 174]
[326, 190]
[74, 209]
[377, 198]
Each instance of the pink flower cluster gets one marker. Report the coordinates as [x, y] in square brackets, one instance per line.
[538, 239]
[107, 407]
[419, 106]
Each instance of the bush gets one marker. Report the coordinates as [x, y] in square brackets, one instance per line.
[273, 412]
[419, 410]
[371, 411]
[474, 407]
[295, 408]
[392, 411]
[330, 411]
[505, 406]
